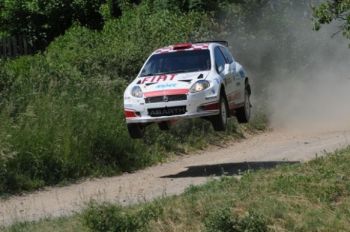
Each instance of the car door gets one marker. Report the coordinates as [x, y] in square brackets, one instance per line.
[225, 73]
[232, 96]
[238, 76]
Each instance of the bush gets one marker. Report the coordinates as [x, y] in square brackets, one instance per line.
[254, 222]
[109, 217]
[62, 112]
[42, 21]
[223, 220]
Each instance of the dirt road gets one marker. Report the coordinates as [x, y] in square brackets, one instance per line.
[259, 151]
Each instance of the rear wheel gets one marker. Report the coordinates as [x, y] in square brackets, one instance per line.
[164, 126]
[136, 131]
[243, 113]
[219, 122]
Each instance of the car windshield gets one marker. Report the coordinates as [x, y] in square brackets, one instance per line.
[177, 62]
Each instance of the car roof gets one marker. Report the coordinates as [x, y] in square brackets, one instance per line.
[188, 47]
[203, 45]
[182, 47]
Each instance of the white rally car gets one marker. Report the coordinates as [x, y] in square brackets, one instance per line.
[188, 81]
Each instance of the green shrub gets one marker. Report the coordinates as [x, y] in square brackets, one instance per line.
[62, 110]
[224, 220]
[42, 21]
[253, 222]
[107, 217]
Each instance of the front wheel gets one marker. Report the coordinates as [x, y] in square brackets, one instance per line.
[136, 131]
[243, 113]
[219, 122]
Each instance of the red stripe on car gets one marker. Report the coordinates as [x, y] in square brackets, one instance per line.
[166, 92]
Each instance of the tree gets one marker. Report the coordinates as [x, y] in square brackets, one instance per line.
[335, 10]
[43, 20]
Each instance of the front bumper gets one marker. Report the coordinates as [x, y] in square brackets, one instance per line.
[197, 105]
[148, 119]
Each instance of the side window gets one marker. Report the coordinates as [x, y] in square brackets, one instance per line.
[219, 60]
[227, 54]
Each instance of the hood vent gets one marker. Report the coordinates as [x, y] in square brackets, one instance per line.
[188, 81]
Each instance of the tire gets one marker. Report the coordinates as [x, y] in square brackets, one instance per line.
[243, 113]
[219, 122]
[164, 126]
[136, 131]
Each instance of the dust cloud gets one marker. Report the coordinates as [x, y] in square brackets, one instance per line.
[301, 77]
[316, 95]
[318, 100]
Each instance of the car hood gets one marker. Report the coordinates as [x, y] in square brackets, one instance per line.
[169, 84]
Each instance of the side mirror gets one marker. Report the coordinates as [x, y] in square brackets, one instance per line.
[221, 69]
[227, 69]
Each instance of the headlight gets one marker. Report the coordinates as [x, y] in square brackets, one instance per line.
[136, 92]
[199, 86]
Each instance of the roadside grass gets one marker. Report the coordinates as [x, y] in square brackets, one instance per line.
[61, 111]
[312, 196]
[91, 140]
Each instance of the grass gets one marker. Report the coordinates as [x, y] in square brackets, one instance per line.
[61, 111]
[313, 196]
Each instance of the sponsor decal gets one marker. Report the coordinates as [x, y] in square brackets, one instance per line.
[156, 79]
[166, 86]
[167, 111]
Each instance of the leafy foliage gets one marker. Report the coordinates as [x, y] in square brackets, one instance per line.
[42, 21]
[61, 111]
[336, 10]
[107, 217]
[223, 220]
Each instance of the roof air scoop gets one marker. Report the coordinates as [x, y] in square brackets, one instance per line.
[182, 46]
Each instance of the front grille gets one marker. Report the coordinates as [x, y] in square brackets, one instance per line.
[167, 111]
[180, 97]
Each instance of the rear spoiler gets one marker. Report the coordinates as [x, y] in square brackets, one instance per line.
[222, 42]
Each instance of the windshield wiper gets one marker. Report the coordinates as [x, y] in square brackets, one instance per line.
[172, 72]
[147, 75]
[151, 74]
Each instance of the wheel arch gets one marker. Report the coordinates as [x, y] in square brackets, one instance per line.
[223, 91]
[247, 85]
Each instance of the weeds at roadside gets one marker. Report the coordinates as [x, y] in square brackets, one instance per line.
[256, 202]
